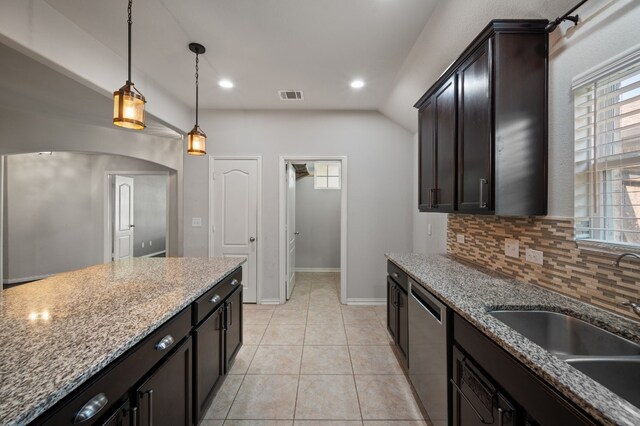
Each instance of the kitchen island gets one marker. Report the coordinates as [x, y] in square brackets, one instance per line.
[65, 330]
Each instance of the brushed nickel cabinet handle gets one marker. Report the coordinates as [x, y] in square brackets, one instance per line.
[234, 282]
[164, 343]
[214, 299]
[482, 204]
[91, 408]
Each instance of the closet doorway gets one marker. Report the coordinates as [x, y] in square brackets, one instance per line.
[312, 220]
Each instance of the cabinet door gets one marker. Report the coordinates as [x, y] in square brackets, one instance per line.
[475, 132]
[476, 398]
[403, 323]
[392, 312]
[445, 147]
[208, 364]
[427, 159]
[233, 321]
[122, 416]
[165, 398]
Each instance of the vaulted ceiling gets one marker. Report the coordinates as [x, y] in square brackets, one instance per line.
[317, 46]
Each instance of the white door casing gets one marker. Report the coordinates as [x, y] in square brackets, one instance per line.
[123, 227]
[291, 229]
[235, 216]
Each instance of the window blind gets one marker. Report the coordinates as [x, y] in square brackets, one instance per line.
[607, 157]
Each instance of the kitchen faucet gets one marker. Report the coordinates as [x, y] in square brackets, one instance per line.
[634, 306]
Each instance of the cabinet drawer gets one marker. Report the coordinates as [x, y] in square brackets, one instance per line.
[208, 302]
[111, 386]
[398, 275]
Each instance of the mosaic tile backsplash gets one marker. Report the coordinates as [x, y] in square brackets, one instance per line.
[583, 273]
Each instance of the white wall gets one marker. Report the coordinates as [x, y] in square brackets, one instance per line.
[55, 211]
[318, 221]
[380, 187]
[22, 132]
[150, 214]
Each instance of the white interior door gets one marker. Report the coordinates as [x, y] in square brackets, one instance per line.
[235, 216]
[291, 229]
[123, 226]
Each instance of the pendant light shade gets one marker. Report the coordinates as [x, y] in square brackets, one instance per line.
[128, 107]
[128, 102]
[196, 142]
[197, 139]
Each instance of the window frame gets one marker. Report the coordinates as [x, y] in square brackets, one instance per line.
[327, 176]
[594, 187]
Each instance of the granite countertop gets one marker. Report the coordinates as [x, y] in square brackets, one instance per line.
[58, 332]
[472, 292]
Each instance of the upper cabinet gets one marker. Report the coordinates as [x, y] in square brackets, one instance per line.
[483, 126]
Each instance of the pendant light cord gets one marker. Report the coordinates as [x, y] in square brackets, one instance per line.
[129, 22]
[197, 68]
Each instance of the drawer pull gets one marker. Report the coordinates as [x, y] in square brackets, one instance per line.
[234, 282]
[395, 275]
[91, 408]
[164, 343]
[215, 299]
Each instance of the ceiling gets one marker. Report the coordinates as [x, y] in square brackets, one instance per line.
[27, 85]
[317, 46]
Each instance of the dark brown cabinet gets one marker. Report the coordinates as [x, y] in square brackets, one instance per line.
[123, 415]
[398, 309]
[475, 180]
[489, 386]
[165, 397]
[217, 340]
[483, 126]
[209, 360]
[233, 318]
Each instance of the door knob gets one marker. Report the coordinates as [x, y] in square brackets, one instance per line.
[252, 239]
[296, 233]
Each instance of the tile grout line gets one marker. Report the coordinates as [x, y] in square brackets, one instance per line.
[353, 371]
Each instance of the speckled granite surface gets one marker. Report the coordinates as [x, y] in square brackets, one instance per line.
[58, 332]
[472, 292]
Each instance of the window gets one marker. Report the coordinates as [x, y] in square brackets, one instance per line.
[326, 175]
[607, 155]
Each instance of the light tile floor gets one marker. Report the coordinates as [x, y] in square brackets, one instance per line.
[313, 361]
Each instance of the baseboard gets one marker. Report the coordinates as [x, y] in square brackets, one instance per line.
[26, 279]
[365, 301]
[317, 269]
[275, 301]
[153, 254]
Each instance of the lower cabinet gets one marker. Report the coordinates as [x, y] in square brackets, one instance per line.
[209, 360]
[123, 415]
[233, 317]
[398, 309]
[490, 387]
[217, 342]
[165, 397]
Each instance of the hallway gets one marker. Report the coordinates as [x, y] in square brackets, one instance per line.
[314, 361]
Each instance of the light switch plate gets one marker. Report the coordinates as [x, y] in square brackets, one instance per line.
[512, 248]
[143, 244]
[460, 238]
[196, 222]
[535, 256]
[429, 231]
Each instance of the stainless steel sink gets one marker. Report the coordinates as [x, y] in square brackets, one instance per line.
[620, 375]
[566, 336]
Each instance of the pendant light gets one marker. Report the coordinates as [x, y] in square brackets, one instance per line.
[128, 102]
[196, 139]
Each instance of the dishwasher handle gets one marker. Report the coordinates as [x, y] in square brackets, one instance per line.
[428, 302]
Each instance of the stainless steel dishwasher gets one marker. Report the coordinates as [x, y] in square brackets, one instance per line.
[428, 351]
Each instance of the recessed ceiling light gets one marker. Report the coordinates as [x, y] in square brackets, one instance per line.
[357, 84]
[227, 84]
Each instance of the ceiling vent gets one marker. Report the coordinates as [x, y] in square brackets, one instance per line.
[290, 95]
